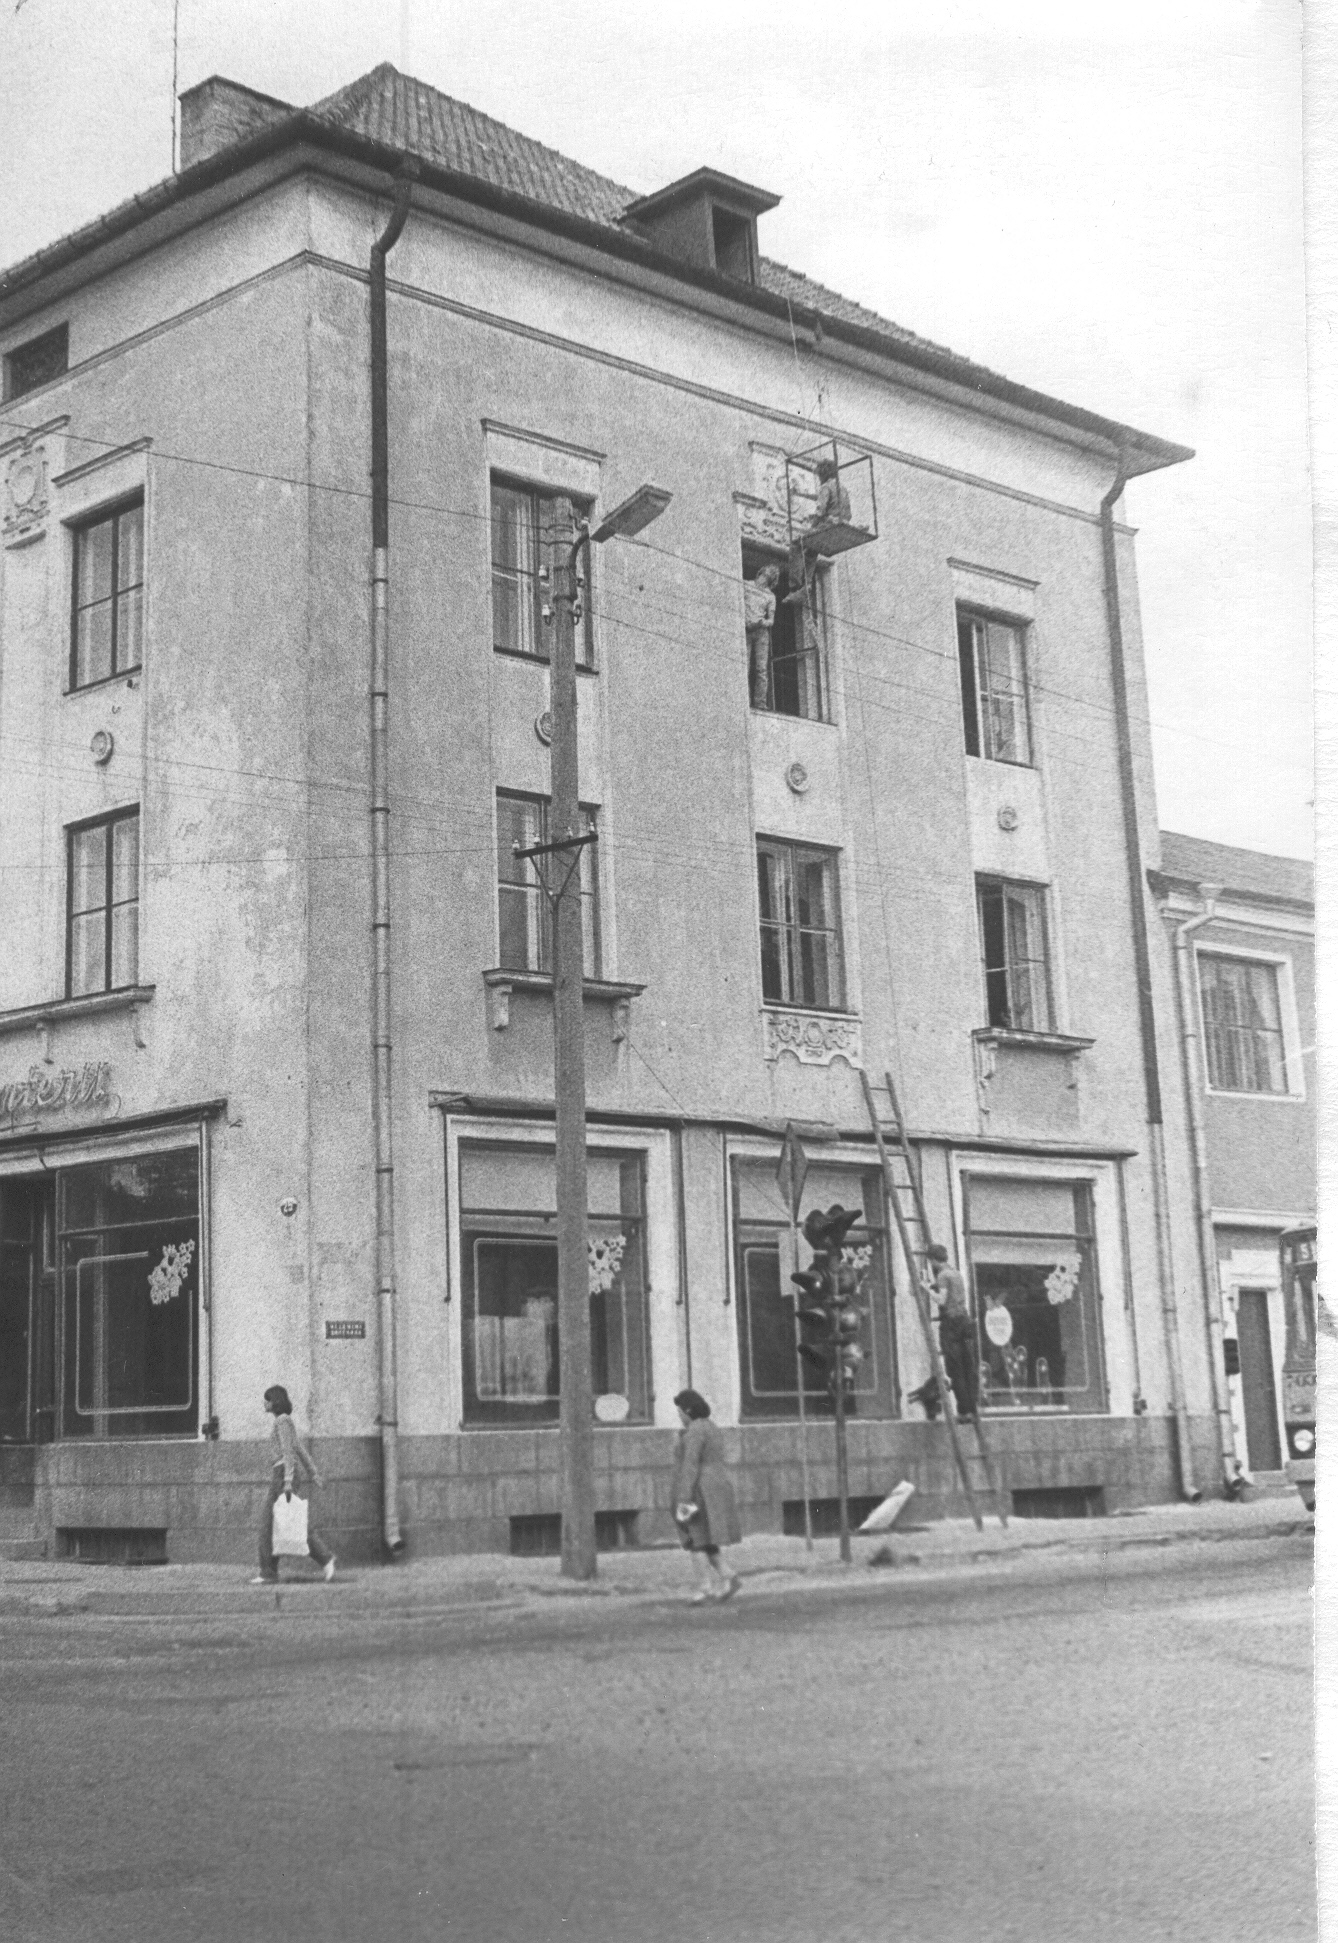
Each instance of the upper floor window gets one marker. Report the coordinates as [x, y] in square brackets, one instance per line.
[1015, 955]
[37, 362]
[524, 915]
[799, 909]
[1242, 1025]
[107, 601]
[785, 629]
[524, 554]
[102, 925]
[995, 714]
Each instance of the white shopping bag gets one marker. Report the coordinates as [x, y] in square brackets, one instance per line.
[290, 1527]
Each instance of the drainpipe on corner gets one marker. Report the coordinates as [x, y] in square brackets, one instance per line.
[388, 1415]
[1143, 963]
[1195, 1082]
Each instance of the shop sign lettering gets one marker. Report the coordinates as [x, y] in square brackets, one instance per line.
[62, 1092]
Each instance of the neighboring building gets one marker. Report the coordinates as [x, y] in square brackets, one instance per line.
[1242, 930]
[912, 834]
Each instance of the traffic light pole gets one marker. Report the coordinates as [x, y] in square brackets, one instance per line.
[842, 1461]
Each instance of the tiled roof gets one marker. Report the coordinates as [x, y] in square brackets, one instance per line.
[1250, 872]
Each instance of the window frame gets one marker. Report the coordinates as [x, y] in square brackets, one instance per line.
[112, 514]
[73, 831]
[753, 557]
[1289, 1035]
[988, 880]
[794, 933]
[582, 508]
[58, 333]
[976, 717]
[591, 899]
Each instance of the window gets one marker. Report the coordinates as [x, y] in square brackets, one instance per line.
[800, 925]
[768, 1361]
[1034, 1275]
[1014, 954]
[128, 1314]
[508, 1223]
[107, 608]
[1242, 1025]
[102, 939]
[37, 362]
[994, 688]
[524, 915]
[523, 557]
[785, 667]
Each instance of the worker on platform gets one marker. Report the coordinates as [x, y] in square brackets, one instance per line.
[957, 1331]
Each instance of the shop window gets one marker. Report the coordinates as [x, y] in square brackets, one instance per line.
[1015, 955]
[37, 362]
[1037, 1301]
[129, 1266]
[525, 551]
[102, 927]
[1242, 1025]
[764, 1258]
[107, 598]
[524, 914]
[799, 913]
[508, 1247]
[786, 661]
[995, 712]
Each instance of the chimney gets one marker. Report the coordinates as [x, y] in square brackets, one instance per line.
[217, 113]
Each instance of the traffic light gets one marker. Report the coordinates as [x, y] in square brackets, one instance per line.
[830, 1320]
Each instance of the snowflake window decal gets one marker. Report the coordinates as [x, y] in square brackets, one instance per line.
[605, 1253]
[1062, 1282]
[165, 1281]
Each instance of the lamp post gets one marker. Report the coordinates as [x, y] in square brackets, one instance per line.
[575, 1398]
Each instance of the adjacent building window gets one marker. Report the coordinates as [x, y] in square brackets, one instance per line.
[107, 606]
[995, 712]
[524, 915]
[524, 554]
[785, 661]
[508, 1226]
[102, 933]
[800, 918]
[1242, 1025]
[1015, 955]
[37, 362]
[1034, 1275]
[129, 1263]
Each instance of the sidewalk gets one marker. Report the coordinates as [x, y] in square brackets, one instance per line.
[765, 1562]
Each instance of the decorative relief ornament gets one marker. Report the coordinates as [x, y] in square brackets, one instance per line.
[26, 496]
[543, 727]
[1008, 817]
[797, 778]
[102, 747]
[815, 1038]
[165, 1281]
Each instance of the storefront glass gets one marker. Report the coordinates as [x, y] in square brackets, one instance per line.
[1037, 1299]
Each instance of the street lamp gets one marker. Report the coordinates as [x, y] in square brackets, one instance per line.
[575, 1399]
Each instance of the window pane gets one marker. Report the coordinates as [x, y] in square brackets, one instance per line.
[1002, 681]
[515, 558]
[519, 822]
[125, 945]
[130, 548]
[93, 644]
[1242, 1026]
[966, 654]
[130, 628]
[94, 544]
[519, 928]
[1037, 1301]
[125, 859]
[88, 953]
[88, 868]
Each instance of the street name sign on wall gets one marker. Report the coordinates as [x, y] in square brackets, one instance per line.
[345, 1332]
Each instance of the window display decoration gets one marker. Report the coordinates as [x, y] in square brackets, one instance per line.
[605, 1254]
[1062, 1282]
[165, 1281]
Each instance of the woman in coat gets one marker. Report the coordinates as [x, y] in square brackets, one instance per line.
[287, 1451]
[703, 1497]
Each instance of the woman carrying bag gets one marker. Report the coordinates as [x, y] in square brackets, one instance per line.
[703, 1498]
[289, 1451]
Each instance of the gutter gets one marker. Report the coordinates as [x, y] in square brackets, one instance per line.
[388, 1416]
[1195, 1080]
[1147, 1021]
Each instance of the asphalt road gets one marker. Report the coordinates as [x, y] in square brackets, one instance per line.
[1039, 1749]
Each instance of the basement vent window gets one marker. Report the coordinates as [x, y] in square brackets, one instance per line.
[1063, 1501]
[112, 1544]
[37, 362]
[826, 1515]
[539, 1534]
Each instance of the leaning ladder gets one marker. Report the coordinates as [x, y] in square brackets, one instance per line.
[915, 1266]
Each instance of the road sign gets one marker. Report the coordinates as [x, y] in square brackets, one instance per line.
[792, 1170]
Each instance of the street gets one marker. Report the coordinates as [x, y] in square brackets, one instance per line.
[1094, 1747]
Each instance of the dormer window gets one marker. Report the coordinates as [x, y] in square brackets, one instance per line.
[735, 244]
[707, 219]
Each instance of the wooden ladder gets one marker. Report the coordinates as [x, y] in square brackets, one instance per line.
[906, 1202]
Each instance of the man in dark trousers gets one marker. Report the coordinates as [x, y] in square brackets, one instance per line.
[957, 1330]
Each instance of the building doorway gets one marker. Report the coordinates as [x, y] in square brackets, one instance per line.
[1257, 1381]
[27, 1310]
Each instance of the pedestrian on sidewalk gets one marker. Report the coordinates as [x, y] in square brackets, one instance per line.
[288, 1452]
[956, 1331]
[703, 1498]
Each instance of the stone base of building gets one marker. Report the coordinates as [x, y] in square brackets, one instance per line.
[497, 1491]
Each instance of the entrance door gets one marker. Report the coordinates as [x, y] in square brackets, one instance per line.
[27, 1311]
[1256, 1381]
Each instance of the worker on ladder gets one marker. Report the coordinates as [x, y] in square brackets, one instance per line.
[957, 1331]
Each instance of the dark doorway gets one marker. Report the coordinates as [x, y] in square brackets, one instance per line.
[1263, 1448]
[27, 1310]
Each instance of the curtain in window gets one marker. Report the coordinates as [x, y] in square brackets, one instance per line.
[1242, 1025]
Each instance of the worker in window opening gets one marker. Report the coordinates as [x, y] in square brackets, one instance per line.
[956, 1329]
[759, 615]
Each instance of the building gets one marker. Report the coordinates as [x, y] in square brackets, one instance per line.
[908, 831]
[1241, 928]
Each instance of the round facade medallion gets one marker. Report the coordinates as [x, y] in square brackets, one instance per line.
[1008, 817]
[797, 778]
[543, 727]
[102, 746]
[288, 1206]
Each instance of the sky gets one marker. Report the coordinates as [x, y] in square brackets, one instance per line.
[1104, 203]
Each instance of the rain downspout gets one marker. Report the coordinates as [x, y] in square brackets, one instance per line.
[1195, 1079]
[1143, 964]
[388, 1415]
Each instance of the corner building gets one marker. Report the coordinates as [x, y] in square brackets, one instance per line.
[900, 833]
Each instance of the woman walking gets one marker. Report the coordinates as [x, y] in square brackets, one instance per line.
[288, 1451]
[703, 1498]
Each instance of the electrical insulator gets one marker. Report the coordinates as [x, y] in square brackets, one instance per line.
[547, 614]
